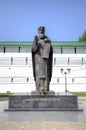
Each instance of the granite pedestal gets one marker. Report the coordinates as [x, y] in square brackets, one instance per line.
[54, 102]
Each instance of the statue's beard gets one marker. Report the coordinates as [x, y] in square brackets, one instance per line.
[41, 36]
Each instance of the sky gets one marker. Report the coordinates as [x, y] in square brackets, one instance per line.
[64, 20]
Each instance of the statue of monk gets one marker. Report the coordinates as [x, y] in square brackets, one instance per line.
[42, 57]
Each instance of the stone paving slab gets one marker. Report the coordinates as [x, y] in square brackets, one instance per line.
[42, 126]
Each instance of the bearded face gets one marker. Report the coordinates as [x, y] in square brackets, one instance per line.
[41, 30]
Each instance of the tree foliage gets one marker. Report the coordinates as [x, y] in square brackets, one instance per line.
[83, 37]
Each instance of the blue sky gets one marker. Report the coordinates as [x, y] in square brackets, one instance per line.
[64, 20]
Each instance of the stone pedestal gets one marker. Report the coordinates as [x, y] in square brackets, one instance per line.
[55, 102]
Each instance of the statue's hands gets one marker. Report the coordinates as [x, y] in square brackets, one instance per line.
[46, 40]
[36, 39]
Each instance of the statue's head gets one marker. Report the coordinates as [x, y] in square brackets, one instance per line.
[41, 29]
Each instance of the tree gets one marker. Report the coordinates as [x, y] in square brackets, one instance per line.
[83, 37]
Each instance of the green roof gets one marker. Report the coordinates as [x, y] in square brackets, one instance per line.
[69, 44]
[16, 43]
[54, 43]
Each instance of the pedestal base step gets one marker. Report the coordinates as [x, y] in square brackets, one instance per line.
[43, 103]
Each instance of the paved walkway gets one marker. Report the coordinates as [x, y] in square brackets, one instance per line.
[43, 120]
[42, 126]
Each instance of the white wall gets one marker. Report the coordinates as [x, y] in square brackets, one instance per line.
[18, 75]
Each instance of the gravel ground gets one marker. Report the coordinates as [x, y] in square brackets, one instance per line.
[42, 126]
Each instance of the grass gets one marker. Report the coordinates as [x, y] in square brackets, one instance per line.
[80, 94]
[7, 94]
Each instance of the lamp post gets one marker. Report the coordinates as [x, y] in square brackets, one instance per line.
[65, 72]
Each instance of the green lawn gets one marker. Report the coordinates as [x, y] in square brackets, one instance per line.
[80, 94]
[7, 94]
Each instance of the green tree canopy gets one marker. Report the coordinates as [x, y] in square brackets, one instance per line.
[83, 37]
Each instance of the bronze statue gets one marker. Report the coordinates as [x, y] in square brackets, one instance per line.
[42, 56]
